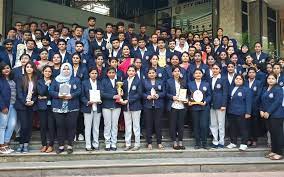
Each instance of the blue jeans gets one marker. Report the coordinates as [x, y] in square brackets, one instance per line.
[7, 124]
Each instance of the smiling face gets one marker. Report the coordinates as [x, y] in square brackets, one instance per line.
[93, 74]
[6, 71]
[239, 81]
[152, 74]
[47, 72]
[66, 70]
[197, 74]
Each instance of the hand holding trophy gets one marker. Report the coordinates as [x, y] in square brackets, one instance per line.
[120, 93]
[182, 95]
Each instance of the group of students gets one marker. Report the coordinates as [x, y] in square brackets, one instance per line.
[142, 81]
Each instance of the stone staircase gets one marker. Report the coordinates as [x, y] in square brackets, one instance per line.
[144, 161]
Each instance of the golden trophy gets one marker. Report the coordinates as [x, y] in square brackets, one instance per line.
[119, 91]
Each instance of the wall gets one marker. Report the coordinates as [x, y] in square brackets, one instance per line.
[281, 33]
[38, 10]
[2, 16]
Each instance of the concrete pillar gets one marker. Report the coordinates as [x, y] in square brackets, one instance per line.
[230, 18]
[281, 19]
[2, 16]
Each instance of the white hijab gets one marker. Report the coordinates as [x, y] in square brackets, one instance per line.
[61, 77]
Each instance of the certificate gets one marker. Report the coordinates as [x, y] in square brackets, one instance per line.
[153, 92]
[182, 95]
[64, 89]
[95, 96]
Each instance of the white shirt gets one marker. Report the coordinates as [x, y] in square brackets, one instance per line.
[115, 52]
[99, 42]
[184, 49]
[251, 82]
[130, 80]
[198, 84]
[230, 78]
[138, 73]
[94, 87]
[62, 55]
[143, 51]
[177, 104]
[257, 55]
[214, 79]
[112, 82]
[234, 91]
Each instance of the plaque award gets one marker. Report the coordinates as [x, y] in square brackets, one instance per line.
[153, 92]
[64, 89]
[95, 96]
[182, 95]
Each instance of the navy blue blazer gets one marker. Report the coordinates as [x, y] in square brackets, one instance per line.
[67, 58]
[133, 96]
[262, 58]
[241, 102]
[256, 90]
[272, 102]
[150, 47]
[75, 92]
[118, 55]
[261, 76]
[85, 96]
[42, 90]
[22, 95]
[231, 85]
[119, 74]
[169, 54]
[175, 52]
[205, 89]
[17, 73]
[281, 80]
[55, 72]
[82, 73]
[5, 94]
[203, 67]
[161, 73]
[94, 46]
[219, 94]
[183, 73]
[171, 91]
[146, 57]
[142, 73]
[160, 89]
[107, 94]
[4, 57]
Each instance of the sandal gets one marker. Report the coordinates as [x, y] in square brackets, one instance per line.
[276, 157]
[268, 155]
[49, 149]
[161, 147]
[150, 147]
[43, 149]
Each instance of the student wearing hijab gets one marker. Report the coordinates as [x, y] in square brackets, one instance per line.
[65, 106]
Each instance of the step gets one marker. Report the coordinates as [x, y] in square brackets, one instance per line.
[143, 153]
[139, 166]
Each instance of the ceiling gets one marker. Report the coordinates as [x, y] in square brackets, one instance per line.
[276, 4]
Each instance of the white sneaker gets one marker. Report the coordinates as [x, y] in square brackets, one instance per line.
[4, 151]
[231, 146]
[243, 147]
[81, 137]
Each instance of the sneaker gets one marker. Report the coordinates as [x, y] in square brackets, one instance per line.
[127, 148]
[69, 150]
[136, 148]
[243, 147]
[9, 149]
[214, 146]
[231, 146]
[20, 148]
[3, 150]
[80, 137]
[221, 146]
[26, 149]
[113, 148]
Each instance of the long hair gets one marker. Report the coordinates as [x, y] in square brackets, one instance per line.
[180, 80]
[2, 66]
[26, 80]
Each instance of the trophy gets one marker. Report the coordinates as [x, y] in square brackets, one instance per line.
[153, 92]
[196, 97]
[182, 93]
[95, 96]
[119, 91]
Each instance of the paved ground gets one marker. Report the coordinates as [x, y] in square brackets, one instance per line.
[231, 174]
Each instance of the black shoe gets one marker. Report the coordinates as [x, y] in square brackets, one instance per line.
[59, 151]
[205, 147]
[197, 146]
[70, 151]
[176, 147]
[107, 149]
[96, 148]
[17, 139]
[113, 149]
[89, 149]
[181, 147]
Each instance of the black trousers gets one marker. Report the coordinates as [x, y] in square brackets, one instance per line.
[177, 123]
[153, 117]
[80, 124]
[254, 127]
[26, 122]
[238, 125]
[200, 126]
[66, 124]
[275, 126]
[47, 126]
